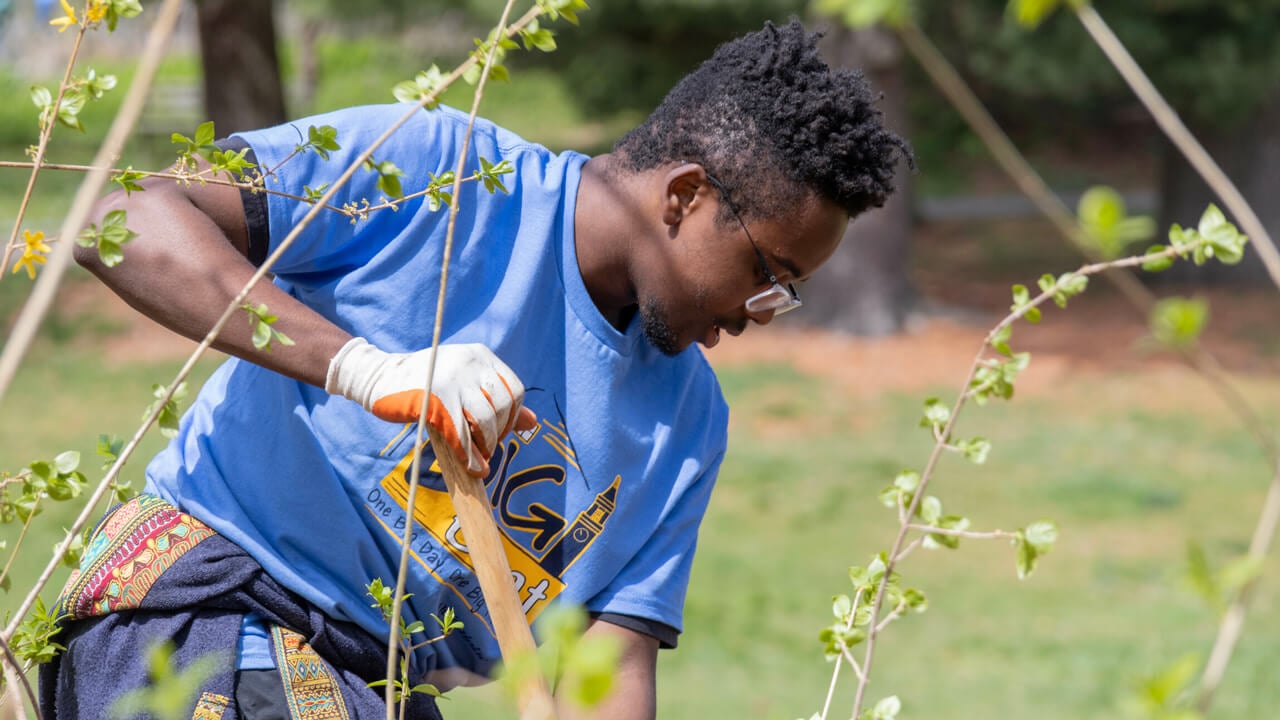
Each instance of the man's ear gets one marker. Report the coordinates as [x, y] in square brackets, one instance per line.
[681, 186]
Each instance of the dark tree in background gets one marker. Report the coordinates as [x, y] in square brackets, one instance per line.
[242, 85]
[864, 289]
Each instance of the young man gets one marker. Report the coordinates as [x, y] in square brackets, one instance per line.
[573, 300]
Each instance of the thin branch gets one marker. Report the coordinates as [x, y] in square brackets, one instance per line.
[910, 548]
[992, 535]
[853, 663]
[1233, 620]
[41, 147]
[897, 613]
[18, 543]
[415, 470]
[835, 672]
[11, 664]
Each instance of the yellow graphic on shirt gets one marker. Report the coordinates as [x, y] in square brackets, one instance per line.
[537, 577]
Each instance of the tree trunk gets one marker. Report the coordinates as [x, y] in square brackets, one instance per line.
[864, 289]
[309, 63]
[1250, 156]
[242, 87]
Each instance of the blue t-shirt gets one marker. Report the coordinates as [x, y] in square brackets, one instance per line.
[598, 505]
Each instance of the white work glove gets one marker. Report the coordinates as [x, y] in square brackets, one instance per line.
[475, 398]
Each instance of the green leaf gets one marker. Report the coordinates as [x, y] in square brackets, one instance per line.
[75, 550]
[204, 133]
[1030, 13]
[322, 140]
[1239, 573]
[976, 450]
[426, 689]
[109, 447]
[887, 709]
[930, 509]
[41, 97]
[66, 462]
[1227, 243]
[128, 179]
[907, 480]
[1179, 322]
[915, 600]
[261, 335]
[1000, 339]
[933, 541]
[841, 606]
[935, 413]
[1200, 578]
[1162, 690]
[889, 496]
[1025, 556]
[1041, 535]
[1157, 264]
[1106, 223]
[867, 13]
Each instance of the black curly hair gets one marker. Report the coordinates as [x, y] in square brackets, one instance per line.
[766, 103]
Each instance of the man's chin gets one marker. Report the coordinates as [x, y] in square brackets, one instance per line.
[658, 331]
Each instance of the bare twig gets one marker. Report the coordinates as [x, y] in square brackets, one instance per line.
[534, 700]
[13, 667]
[835, 672]
[1233, 620]
[991, 535]
[41, 147]
[18, 543]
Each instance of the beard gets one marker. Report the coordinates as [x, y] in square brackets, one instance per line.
[657, 328]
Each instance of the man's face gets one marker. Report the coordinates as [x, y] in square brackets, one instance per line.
[712, 269]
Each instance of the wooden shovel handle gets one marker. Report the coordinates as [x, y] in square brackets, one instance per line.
[484, 544]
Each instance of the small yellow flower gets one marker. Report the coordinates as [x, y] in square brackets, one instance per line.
[67, 20]
[33, 254]
[96, 12]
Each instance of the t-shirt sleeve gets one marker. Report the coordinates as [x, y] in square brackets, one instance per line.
[651, 587]
[334, 241]
[255, 206]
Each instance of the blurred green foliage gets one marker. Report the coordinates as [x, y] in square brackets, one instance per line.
[1213, 58]
[628, 53]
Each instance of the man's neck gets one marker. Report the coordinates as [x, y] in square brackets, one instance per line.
[608, 227]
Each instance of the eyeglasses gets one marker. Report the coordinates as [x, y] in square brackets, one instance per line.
[775, 298]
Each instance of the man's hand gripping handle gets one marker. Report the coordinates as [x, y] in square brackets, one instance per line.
[475, 398]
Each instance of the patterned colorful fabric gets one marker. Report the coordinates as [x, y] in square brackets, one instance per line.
[210, 706]
[309, 687]
[132, 546]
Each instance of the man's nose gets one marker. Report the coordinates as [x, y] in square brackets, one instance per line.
[761, 318]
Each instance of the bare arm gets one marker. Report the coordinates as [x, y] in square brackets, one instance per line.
[189, 261]
[634, 695]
